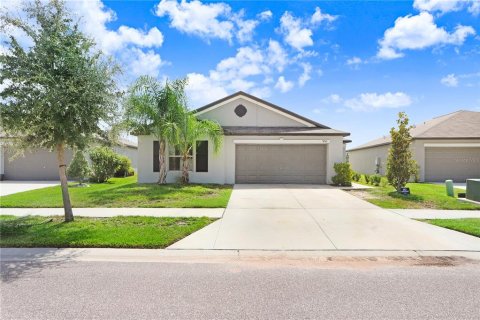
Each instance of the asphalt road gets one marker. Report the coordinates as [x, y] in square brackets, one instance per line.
[359, 289]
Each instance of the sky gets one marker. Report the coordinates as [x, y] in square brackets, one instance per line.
[351, 65]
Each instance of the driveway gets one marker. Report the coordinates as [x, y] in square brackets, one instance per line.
[11, 186]
[305, 217]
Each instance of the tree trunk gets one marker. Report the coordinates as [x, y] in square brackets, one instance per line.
[162, 163]
[185, 169]
[62, 171]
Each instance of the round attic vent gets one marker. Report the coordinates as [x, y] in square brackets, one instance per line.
[240, 110]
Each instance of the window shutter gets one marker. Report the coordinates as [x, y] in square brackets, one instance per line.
[201, 159]
[156, 153]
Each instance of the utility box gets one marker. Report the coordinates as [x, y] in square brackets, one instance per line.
[473, 189]
[449, 186]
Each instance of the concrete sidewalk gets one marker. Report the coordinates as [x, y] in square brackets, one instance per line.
[437, 214]
[112, 212]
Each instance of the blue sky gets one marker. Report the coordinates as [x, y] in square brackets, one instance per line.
[352, 65]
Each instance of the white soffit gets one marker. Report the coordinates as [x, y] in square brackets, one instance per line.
[281, 141]
[451, 145]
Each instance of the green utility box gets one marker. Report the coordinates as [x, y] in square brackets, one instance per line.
[473, 189]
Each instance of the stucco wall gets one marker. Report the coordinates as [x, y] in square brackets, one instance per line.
[363, 161]
[221, 166]
[255, 116]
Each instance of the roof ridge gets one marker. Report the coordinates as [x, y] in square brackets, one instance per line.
[447, 116]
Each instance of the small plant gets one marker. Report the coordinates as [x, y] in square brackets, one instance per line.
[367, 178]
[375, 179]
[124, 168]
[104, 163]
[78, 168]
[356, 176]
[343, 175]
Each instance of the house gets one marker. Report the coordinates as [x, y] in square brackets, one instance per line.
[446, 147]
[41, 164]
[262, 143]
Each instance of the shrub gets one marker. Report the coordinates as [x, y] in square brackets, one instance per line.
[367, 178]
[356, 176]
[124, 168]
[375, 179]
[343, 175]
[104, 163]
[383, 182]
[78, 168]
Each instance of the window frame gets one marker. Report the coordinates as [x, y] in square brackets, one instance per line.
[178, 156]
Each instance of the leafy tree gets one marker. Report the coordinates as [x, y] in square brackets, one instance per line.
[105, 163]
[400, 164]
[57, 93]
[79, 168]
[124, 168]
[154, 108]
[191, 130]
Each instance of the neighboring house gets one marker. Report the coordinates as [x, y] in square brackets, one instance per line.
[446, 147]
[263, 143]
[42, 164]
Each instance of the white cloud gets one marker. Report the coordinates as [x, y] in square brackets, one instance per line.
[277, 56]
[444, 6]
[294, 33]
[265, 15]
[305, 76]
[416, 33]
[375, 101]
[354, 61]
[208, 21]
[450, 80]
[283, 85]
[319, 17]
[202, 89]
[141, 62]
[333, 98]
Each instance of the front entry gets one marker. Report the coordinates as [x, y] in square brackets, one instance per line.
[298, 163]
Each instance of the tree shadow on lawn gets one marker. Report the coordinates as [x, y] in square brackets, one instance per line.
[147, 195]
[410, 197]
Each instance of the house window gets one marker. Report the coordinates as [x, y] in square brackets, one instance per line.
[201, 156]
[175, 159]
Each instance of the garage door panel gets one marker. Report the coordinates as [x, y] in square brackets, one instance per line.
[280, 164]
[456, 163]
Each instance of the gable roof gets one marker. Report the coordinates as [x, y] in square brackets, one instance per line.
[276, 108]
[461, 124]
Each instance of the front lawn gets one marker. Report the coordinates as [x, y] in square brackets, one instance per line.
[116, 232]
[468, 225]
[423, 196]
[124, 192]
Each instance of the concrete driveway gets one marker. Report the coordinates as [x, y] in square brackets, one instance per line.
[305, 217]
[12, 186]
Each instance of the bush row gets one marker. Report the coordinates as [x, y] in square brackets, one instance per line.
[105, 163]
[373, 179]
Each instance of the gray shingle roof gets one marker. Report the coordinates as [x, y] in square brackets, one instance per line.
[457, 125]
[284, 131]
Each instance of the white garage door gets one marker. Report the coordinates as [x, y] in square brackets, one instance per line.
[458, 164]
[280, 164]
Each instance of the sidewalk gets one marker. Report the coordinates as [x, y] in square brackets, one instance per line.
[112, 212]
[436, 214]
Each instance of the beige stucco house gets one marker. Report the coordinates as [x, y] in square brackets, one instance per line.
[41, 164]
[262, 143]
[446, 147]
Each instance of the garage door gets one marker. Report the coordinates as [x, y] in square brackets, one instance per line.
[280, 164]
[457, 164]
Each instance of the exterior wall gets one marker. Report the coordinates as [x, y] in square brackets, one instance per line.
[131, 153]
[2, 156]
[419, 150]
[255, 116]
[221, 166]
[363, 161]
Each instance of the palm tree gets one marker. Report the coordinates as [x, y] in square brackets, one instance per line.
[191, 130]
[154, 108]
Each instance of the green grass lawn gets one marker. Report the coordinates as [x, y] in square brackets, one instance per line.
[423, 196]
[116, 232]
[467, 225]
[124, 192]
